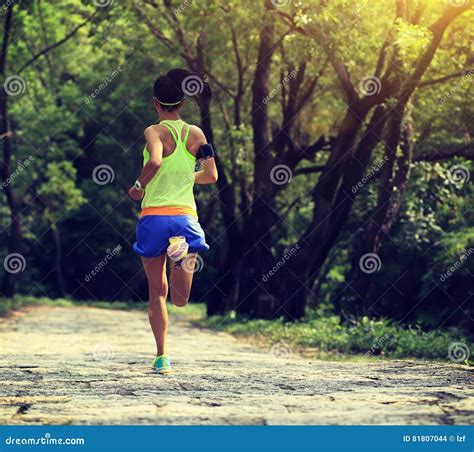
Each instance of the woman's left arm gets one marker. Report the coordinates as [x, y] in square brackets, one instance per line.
[208, 175]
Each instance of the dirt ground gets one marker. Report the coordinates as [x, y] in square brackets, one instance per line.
[93, 366]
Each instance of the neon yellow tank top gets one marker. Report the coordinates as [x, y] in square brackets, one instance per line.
[173, 184]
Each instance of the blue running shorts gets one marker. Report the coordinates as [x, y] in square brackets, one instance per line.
[153, 233]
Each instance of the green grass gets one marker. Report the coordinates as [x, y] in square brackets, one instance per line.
[325, 337]
[192, 311]
[8, 305]
[320, 335]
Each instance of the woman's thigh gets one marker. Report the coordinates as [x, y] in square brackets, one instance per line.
[155, 269]
[181, 280]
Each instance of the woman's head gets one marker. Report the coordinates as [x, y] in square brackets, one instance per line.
[172, 88]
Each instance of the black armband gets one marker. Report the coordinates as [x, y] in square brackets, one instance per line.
[206, 151]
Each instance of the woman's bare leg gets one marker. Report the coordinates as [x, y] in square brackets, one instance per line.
[155, 269]
[181, 280]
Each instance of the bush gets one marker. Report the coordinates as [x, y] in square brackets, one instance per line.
[326, 334]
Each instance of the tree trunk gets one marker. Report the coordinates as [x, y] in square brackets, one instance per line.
[255, 299]
[393, 181]
[217, 299]
[58, 268]
[294, 283]
[14, 243]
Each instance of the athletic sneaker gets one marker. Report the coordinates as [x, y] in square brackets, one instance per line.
[162, 364]
[177, 249]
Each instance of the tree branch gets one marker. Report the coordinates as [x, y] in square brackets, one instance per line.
[6, 35]
[467, 73]
[466, 151]
[56, 44]
[309, 170]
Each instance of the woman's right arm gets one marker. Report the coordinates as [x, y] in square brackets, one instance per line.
[154, 147]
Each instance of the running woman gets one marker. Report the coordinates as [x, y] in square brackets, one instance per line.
[168, 223]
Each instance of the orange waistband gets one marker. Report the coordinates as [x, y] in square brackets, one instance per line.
[168, 211]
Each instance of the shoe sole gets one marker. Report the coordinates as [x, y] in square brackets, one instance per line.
[163, 371]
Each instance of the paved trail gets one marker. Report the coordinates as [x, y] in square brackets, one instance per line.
[91, 366]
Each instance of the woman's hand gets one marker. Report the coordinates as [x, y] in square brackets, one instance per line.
[136, 194]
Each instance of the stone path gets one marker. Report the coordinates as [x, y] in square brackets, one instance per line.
[91, 366]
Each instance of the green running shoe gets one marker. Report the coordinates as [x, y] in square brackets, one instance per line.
[162, 364]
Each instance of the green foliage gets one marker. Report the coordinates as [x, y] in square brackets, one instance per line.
[326, 334]
[59, 191]
[88, 101]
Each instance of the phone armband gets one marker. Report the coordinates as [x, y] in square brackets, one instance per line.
[206, 151]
